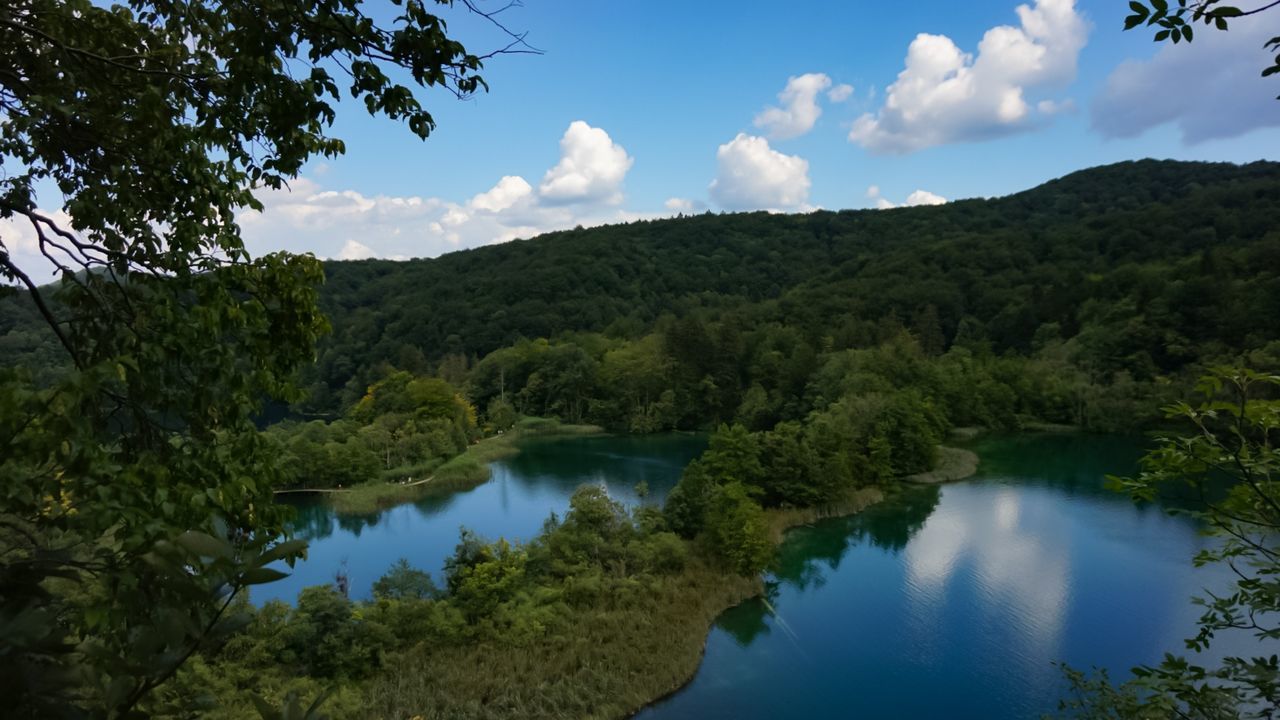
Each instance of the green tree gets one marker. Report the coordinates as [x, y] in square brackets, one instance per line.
[737, 530]
[404, 582]
[136, 502]
[1235, 437]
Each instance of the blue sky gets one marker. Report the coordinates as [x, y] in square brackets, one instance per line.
[643, 109]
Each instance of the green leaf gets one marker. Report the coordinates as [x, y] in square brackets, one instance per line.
[1162, 36]
[261, 576]
[283, 550]
[204, 545]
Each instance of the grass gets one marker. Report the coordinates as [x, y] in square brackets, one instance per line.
[783, 519]
[614, 659]
[953, 464]
[462, 472]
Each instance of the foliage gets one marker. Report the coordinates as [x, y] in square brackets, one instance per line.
[403, 582]
[1178, 23]
[1146, 270]
[1233, 439]
[737, 531]
[136, 503]
[404, 425]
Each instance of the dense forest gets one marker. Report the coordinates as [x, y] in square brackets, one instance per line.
[1131, 273]
[1091, 301]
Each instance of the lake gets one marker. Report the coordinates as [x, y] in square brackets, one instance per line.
[951, 601]
[521, 493]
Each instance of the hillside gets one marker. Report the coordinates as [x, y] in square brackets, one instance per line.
[1147, 266]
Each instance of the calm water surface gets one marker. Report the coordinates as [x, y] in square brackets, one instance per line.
[955, 601]
[520, 495]
[950, 602]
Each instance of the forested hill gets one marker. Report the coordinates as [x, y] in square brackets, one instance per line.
[1143, 267]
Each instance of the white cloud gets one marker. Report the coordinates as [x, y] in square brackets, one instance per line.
[945, 95]
[924, 197]
[591, 168]
[580, 190]
[354, 250]
[1056, 107]
[684, 205]
[1210, 88]
[799, 109]
[840, 93]
[915, 199]
[510, 190]
[753, 176]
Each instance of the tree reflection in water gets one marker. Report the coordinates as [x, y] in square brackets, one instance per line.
[808, 554]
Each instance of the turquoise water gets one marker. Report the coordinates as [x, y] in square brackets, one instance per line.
[522, 492]
[956, 601]
[946, 602]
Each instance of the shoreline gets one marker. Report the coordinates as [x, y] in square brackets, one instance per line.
[954, 464]
[666, 642]
[469, 469]
[781, 521]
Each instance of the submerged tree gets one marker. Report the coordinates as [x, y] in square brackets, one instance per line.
[1235, 439]
[135, 500]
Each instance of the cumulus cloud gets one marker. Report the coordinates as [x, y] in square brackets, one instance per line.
[354, 250]
[581, 189]
[924, 197]
[511, 189]
[840, 93]
[684, 205]
[591, 168]
[349, 225]
[1209, 89]
[915, 199]
[945, 95]
[753, 176]
[799, 111]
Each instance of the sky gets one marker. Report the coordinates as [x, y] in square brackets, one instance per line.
[648, 109]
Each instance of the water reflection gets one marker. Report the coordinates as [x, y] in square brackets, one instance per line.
[811, 552]
[956, 601]
[520, 495]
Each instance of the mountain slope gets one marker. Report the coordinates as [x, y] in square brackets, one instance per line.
[1156, 263]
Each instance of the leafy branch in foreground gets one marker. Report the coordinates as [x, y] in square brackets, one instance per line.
[1235, 429]
[136, 495]
[1178, 23]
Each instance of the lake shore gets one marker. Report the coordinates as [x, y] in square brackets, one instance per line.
[462, 472]
[780, 521]
[953, 464]
[620, 659]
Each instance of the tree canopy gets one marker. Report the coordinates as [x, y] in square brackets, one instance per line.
[136, 501]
